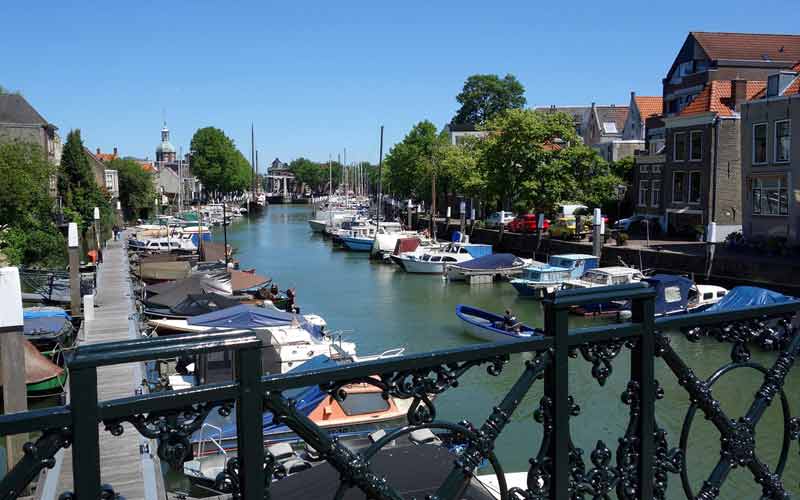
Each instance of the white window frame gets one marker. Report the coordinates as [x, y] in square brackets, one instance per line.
[689, 185]
[644, 187]
[675, 147]
[643, 169]
[683, 188]
[775, 142]
[653, 190]
[656, 169]
[691, 149]
[766, 146]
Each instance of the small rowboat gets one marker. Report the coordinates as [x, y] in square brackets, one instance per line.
[489, 326]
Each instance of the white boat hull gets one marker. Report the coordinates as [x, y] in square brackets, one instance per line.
[318, 226]
[421, 267]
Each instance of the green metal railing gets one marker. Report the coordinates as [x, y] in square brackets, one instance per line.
[643, 461]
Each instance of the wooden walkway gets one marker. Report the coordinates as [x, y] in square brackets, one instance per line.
[133, 474]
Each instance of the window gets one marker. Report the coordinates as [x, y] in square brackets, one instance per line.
[678, 183]
[770, 195]
[360, 403]
[679, 150]
[672, 294]
[655, 194]
[760, 143]
[109, 180]
[643, 189]
[708, 295]
[696, 145]
[694, 187]
[643, 169]
[783, 140]
[656, 169]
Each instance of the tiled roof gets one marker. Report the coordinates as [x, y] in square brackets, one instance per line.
[749, 46]
[106, 156]
[649, 105]
[16, 109]
[716, 98]
[148, 167]
[794, 87]
[615, 114]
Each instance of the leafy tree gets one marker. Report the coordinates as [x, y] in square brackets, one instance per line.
[409, 164]
[29, 236]
[136, 187]
[485, 96]
[310, 173]
[217, 162]
[76, 182]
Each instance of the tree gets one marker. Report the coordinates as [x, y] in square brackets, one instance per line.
[408, 166]
[217, 162]
[136, 187]
[485, 96]
[310, 173]
[29, 236]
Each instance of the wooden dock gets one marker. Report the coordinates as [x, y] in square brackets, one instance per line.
[128, 462]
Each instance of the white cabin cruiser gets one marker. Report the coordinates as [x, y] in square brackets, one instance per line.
[426, 261]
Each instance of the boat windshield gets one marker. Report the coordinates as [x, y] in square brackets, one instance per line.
[360, 403]
[596, 278]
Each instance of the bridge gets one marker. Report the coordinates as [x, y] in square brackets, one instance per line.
[645, 463]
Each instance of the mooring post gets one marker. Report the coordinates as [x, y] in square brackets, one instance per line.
[462, 212]
[597, 234]
[73, 247]
[12, 358]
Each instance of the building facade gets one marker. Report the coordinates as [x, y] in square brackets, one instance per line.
[770, 145]
[104, 177]
[19, 121]
[458, 132]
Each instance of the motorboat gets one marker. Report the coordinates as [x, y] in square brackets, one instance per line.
[491, 327]
[436, 261]
[487, 268]
[603, 277]
[701, 297]
[47, 327]
[358, 238]
[332, 217]
[386, 237]
[540, 279]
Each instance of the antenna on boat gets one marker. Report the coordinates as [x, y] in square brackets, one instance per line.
[380, 173]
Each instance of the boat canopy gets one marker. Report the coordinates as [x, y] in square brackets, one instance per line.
[171, 294]
[203, 303]
[496, 261]
[477, 250]
[742, 297]
[164, 270]
[44, 312]
[243, 280]
[306, 399]
[245, 316]
[672, 292]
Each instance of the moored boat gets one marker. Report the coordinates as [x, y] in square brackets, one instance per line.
[435, 261]
[540, 279]
[487, 268]
[491, 327]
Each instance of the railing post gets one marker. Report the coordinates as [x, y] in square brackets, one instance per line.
[249, 422]
[642, 372]
[86, 440]
[556, 387]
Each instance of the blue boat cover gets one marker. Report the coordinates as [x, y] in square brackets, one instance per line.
[39, 326]
[479, 250]
[496, 261]
[672, 292]
[305, 400]
[49, 312]
[244, 316]
[742, 297]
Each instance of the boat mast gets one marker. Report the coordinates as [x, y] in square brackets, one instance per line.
[380, 167]
[253, 161]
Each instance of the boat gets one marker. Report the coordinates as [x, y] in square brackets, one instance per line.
[194, 304]
[701, 297]
[42, 376]
[47, 327]
[602, 277]
[386, 237]
[540, 279]
[427, 261]
[743, 297]
[487, 267]
[358, 238]
[488, 326]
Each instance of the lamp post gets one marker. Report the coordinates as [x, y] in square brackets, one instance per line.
[620, 190]
[73, 248]
[12, 357]
[96, 214]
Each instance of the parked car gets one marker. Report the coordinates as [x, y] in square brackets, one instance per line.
[638, 224]
[526, 223]
[498, 218]
[565, 228]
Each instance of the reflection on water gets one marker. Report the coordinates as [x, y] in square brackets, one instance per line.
[384, 308]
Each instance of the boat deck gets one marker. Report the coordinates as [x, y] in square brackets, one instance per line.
[133, 475]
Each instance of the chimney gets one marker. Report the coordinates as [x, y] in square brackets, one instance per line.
[115, 151]
[738, 92]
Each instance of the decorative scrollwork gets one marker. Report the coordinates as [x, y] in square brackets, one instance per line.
[172, 428]
[600, 356]
[37, 456]
[420, 384]
[106, 493]
[228, 481]
[768, 333]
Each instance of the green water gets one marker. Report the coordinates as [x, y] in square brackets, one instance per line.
[380, 307]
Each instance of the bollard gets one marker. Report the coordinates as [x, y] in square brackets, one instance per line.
[12, 358]
[597, 234]
[88, 307]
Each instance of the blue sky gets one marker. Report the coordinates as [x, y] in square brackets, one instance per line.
[318, 77]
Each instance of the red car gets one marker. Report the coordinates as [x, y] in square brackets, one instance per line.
[526, 224]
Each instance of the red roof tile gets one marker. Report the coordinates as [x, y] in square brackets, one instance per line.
[794, 87]
[749, 46]
[716, 98]
[649, 105]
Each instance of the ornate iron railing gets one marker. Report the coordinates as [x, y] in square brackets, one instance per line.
[640, 468]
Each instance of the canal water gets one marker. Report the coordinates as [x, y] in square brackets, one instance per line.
[380, 307]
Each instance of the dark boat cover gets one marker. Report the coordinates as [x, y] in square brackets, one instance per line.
[306, 399]
[414, 471]
[489, 262]
[672, 292]
[46, 323]
[171, 294]
[742, 297]
[203, 303]
[245, 316]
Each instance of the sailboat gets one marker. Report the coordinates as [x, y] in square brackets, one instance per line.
[256, 201]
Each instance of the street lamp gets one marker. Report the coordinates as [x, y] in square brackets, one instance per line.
[620, 190]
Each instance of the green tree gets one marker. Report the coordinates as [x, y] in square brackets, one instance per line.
[217, 162]
[485, 96]
[310, 173]
[136, 187]
[28, 236]
[409, 164]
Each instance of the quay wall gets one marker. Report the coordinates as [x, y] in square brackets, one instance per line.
[727, 269]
